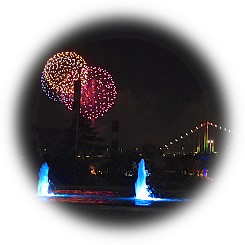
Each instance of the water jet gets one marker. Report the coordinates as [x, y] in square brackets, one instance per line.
[43, 184]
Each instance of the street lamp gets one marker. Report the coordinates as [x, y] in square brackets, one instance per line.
[211, 145]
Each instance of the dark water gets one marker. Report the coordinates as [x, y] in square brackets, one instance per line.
[105, 197]
[112, 206]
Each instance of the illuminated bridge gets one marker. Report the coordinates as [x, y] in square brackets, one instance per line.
[206, 138]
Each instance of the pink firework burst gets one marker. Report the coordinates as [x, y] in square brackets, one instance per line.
[98, 93]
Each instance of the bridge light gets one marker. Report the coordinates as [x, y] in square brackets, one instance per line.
[170, 142]
[215, 125]
[225, 129]
[196, 127]
[181, 137]
[234, 133]
[191, 131]
[166, 146]
[186, 134]
[201, 125]
[176, 140]
[229, 131]
[220, 127]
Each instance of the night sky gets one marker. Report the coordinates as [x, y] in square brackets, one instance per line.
[159, 94]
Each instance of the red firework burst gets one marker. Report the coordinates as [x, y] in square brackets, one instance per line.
[98, 93]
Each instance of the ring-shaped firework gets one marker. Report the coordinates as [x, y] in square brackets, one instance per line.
[59, 74]
[98, 93]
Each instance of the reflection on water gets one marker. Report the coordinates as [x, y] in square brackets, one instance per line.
[156, 201]
[104, 197]
[85, 192]
[83, 197]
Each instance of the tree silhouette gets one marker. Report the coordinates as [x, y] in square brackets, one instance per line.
[56, 146]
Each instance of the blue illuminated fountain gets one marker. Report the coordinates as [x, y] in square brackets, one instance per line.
[43, 184]
[142, 190]
[143, 194]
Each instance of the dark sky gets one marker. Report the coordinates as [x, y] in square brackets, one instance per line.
[158, 94]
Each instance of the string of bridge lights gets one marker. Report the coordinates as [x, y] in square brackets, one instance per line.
[98, 90]
[191, 131]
